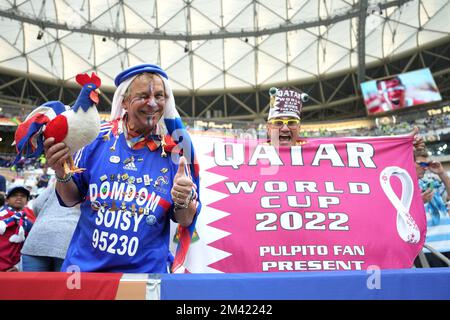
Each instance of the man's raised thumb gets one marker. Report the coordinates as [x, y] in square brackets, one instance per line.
[182, 166]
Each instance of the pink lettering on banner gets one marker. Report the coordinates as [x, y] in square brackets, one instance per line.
[330, 204]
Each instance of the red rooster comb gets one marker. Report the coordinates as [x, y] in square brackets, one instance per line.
[83, 78]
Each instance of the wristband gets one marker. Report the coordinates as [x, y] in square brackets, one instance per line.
[65, 179]
[185, 205]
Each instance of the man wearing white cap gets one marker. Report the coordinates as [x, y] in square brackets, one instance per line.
[132, 185]
[283, 123]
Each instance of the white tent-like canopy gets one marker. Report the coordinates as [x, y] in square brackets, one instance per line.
[211, 45]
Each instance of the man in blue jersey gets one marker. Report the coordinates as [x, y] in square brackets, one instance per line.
[135, 181]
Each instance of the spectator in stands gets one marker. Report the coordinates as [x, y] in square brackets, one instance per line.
[42, 161]
[435, 195]
[44, 178]
[283, 122]
[2, 184]
[4, 162]
[16, 221]
[46, 246]
[2, 191]
[134, 154]
[19, 166]
[2, 201]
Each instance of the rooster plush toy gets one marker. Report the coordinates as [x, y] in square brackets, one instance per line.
[76, 126]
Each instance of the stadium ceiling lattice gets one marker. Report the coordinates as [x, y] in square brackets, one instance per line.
[213, 45]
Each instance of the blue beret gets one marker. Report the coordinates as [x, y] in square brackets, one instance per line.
[141, 68]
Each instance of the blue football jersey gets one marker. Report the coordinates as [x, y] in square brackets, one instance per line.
[124, 223]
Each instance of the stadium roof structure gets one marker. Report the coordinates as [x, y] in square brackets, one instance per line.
[216, 47]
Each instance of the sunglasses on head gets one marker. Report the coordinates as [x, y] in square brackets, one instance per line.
[423, 164]
[278, 123]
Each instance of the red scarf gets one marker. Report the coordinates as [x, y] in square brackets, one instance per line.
[152, 141]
